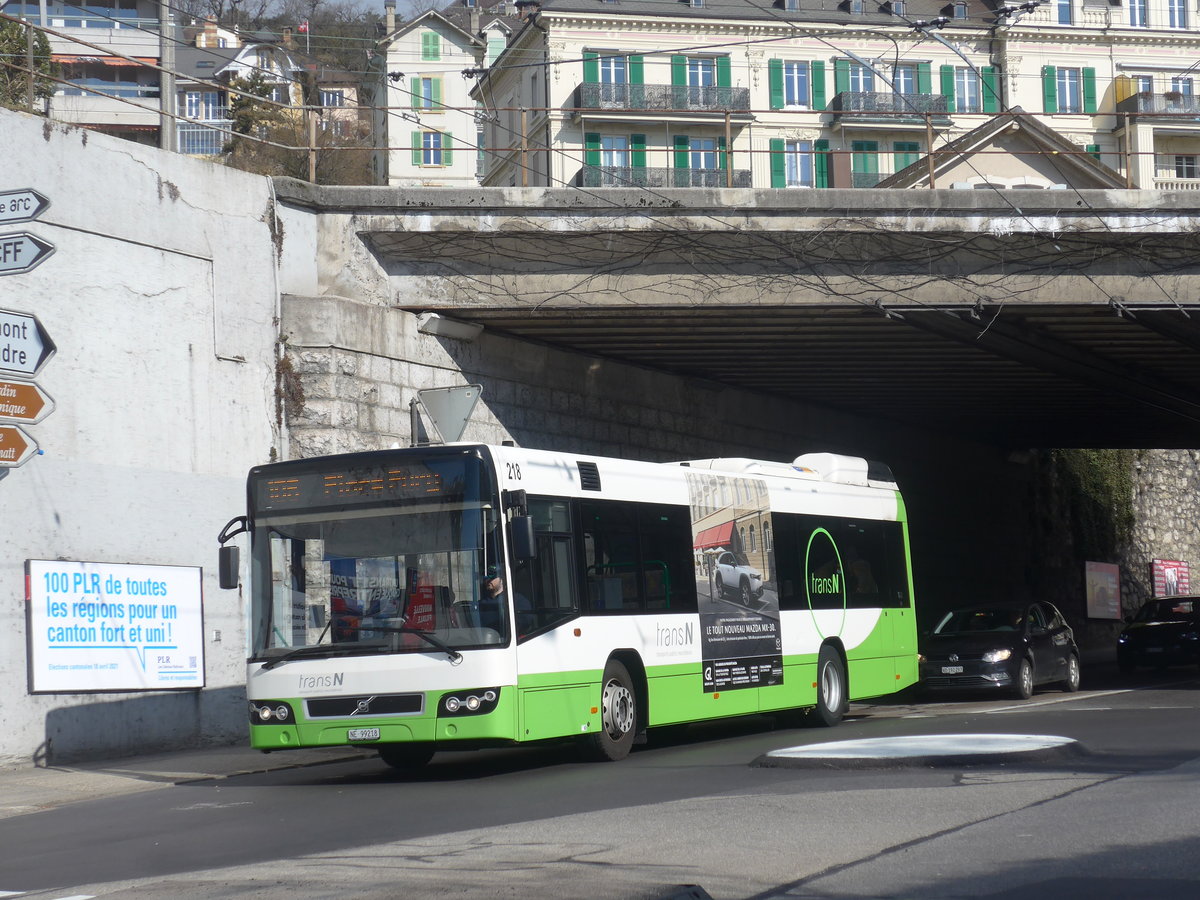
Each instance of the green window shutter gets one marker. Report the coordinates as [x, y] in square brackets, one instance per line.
[905, 153]
[816, 75]
[821, 163]
[682, 151]
[431, 45]
[724, 72]
[436, 93]
[775, 82]
[679, 70]
[591, 149]
[778, 164]
[1049, 89]
[722, 156]
[447, 148]
[415, 90]
[841, 76]
[1089, 90]
[637, 70]
[864, 156]
[947, 79]
[1093, 150]
[591, 67]
[924, 79]
[637, 151]
[991, 90]
[416, 148]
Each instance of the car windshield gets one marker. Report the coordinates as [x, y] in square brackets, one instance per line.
[980, 619]
[1171, 609]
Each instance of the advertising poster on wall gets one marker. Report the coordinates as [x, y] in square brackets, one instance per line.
[112, 627]
[1102, 583]
[1171, 577]
[740, 639]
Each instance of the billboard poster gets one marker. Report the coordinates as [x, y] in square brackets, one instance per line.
[1102, 584]
[740, 640]
[113, 627]
[1171, 577]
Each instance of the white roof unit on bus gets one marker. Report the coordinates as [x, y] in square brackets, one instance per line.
[832, 467]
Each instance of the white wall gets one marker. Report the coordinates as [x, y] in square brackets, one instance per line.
[161, 297]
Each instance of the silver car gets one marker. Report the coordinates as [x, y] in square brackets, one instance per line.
[735, 575]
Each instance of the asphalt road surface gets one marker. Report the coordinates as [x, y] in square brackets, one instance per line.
[1118, 817]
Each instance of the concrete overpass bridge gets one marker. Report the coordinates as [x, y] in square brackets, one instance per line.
[1016, 318]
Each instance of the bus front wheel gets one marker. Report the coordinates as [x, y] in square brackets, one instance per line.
[406, 756]
[831, 689]
[618, 715]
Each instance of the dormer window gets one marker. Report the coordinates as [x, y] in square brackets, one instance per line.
[791, 5]
[470, 3]
[695, 4]
[899, 7]
[960, 10]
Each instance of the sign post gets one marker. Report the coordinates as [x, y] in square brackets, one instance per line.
[24, 345]
[24, 401]
[21, 205]
[21, 252]
[16, 447]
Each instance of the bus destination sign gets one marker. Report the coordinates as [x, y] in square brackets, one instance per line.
[353, 486]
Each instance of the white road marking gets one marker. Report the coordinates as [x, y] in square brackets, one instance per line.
[925, 745]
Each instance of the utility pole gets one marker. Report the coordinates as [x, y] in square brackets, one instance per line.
[168, 131]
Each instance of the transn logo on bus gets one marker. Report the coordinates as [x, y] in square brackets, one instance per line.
[313, 682]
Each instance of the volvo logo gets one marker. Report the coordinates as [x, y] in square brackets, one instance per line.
[364, 706]
[953, 658]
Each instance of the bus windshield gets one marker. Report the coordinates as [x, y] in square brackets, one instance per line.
[343, 563]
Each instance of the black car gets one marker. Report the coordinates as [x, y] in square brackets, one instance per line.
[1165, 632]
[1007, 647]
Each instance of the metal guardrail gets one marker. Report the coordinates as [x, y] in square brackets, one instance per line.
[881, 103]
[1171, 103]
[663, 97]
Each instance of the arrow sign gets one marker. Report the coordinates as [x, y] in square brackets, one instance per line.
[24, 344]
[21, 252]
[24, 401]
[15, 446]
[22, 205]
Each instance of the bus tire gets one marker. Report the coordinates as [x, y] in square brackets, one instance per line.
[406, 756]
[618, 715]
[832, 692]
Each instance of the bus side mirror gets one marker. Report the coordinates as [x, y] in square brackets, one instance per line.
[227, 567]
[523, 543]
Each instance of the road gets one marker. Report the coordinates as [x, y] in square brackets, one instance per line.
[1120, 819]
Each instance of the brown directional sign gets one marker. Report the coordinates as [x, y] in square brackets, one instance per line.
[15, 446]
[24, 401]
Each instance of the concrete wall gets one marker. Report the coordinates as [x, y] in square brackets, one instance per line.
[161, 299]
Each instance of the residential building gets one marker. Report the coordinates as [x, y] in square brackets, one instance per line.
[107, 51]
[426, 126]
[787, 94]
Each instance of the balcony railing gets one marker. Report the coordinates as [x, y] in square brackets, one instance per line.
[877, 106]
[199, 140]
[1170, 104]
[662, 97]
[631, 176]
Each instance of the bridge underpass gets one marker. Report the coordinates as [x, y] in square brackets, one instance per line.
[1023, 319]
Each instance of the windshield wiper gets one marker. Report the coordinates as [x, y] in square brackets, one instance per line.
[323, 650]
[454, 655]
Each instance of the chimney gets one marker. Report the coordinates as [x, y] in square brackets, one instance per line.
[389, 12]
[287, 36]
[210, 32]
[474, 20]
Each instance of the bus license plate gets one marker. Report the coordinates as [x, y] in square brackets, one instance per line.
[952, 670]
[362, 734]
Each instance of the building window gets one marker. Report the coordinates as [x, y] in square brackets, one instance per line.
[1143, 84]
[1182, 86]
[203, 105]
[857, 7]
[1138, 13]
[702, 153]
[613, 70]
[614, 151]
[1177, 16]
[1064, 12]
[432, 148]
[899, 8]
[862, 79]
[427, 93]
[791, 5]
[966, 90]
[960, 10]
[701, 71]
[904, 79]
[333, 98]
[1070, 91]
[864, 163]
[795, 84]
[798, 163]
[905, 153]
[1185, 167]
[431, 45]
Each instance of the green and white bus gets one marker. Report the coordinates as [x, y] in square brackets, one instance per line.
[467, 596]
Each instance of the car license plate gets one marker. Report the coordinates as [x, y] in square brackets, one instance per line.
[952, 670]
[362, 734]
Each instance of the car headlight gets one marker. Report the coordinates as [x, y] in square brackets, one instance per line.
[997, 655]
[1123, 639]
[920, 658]
[1191, 636]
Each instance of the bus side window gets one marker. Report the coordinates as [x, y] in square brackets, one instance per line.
[545, 590]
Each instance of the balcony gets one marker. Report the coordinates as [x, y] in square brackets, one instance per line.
[710, 102]
[631, 177]
[1171, 106]
[875, 108]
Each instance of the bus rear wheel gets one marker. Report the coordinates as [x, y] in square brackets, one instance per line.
[832, 694]
[618, 715]
[406, 756]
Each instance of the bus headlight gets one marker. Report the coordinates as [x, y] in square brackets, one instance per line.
[270, 712]
[470, 703]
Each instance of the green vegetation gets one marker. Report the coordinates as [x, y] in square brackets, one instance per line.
[14, 52]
